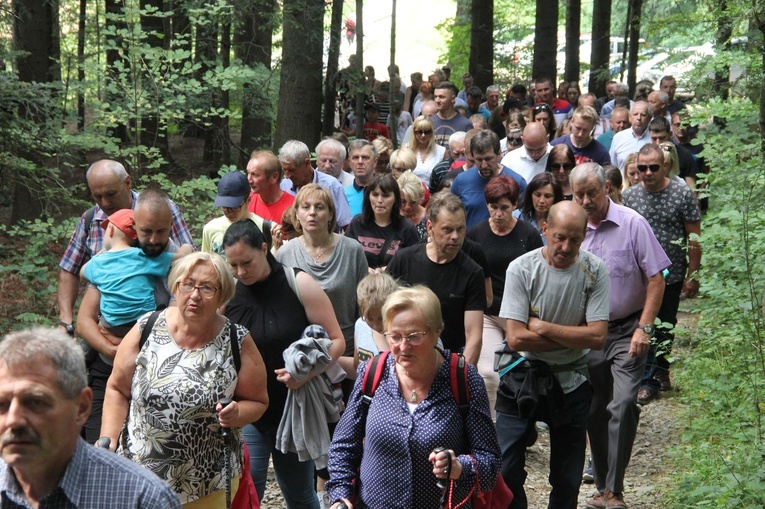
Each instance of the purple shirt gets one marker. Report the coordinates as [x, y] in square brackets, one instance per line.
[625, 241]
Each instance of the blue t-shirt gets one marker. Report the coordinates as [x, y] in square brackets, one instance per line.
[126, 280]
[469, 186]
[595, 151]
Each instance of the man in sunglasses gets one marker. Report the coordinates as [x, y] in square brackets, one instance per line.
[673, 213]
[635, 261]
[531, 159]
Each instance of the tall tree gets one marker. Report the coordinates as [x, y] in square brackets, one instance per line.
[722, 43]
[546, 40]
[600, 58]
[359, 108]
[333, 64]
[253, 46]
[115, 51]
[482, 43]
[36, 35]
[573, 27]
[635, 10]
[299, 113]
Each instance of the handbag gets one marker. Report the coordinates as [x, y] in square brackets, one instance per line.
[498, 497]
[246, 495]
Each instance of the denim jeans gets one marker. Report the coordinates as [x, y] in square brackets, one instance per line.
[567, 448]
[295, 477]
[664, 337]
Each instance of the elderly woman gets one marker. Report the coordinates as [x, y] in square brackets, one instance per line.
[169, 387]
[423, 144]
[560, 162]
[380, 228]
[543, 113]
[542, 192]
[276, 305]
[503, 239]
[337, 263]
[411, 203]
[388, 445]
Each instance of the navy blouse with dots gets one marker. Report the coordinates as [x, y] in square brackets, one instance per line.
[392, 464]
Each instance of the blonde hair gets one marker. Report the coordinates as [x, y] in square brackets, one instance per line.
[417, 298]
[315, 191]
[373, 290]
[183, 267]
[410, 186]
[422, 123]
[405, 157]
[631, 159]
[670, 157]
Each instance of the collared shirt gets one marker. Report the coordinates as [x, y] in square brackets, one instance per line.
[354, 193]
[331, 184]
[625, 241]
[83, 245]
[519, 161]
[95, 478]
[626, 143]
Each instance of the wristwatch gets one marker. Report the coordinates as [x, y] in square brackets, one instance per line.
[69, 328]
[647, 328]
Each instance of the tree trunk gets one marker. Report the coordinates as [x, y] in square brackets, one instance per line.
[600, 58]
[546, 40]
[573, 27]
[482, 43]
[333, 64]
[636, 7]
[253, 44]
[359, 109]
[393, 91]
[81, 65]
[299, 113]
[36, 33]
[722, 39]
[114, 18]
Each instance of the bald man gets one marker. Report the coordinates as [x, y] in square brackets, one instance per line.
[531, 159]
[567, 289]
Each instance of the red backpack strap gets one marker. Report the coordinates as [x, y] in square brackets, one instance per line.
[458, 379]
[369, 384]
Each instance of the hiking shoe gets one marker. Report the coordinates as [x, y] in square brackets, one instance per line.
[596, 502]
[587, 477]
[614, 500]
[645, 395]
[662, 376]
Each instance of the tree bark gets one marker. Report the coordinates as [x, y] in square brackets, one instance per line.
[253, 46]
[573, 27]
[722, 39]
[600, 58]
[35, 32]
[359, 109]
[546, 40]
[333, 64]
[299, 113]
[636, 7]
[114, 18]
[81, 65]
[482, 43]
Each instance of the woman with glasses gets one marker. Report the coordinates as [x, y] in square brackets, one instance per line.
[276, 305]
[162, 406]
[386, 448]
[380, 228]
[560, 162]
[543, 113]
[423, 144]
[542, 193]
[503, 239]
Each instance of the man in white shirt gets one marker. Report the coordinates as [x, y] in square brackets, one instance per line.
[531, 159]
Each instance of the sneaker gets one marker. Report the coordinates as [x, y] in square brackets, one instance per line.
[587, 475]
[324, 501]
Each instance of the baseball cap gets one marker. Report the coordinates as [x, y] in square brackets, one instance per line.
[233, 188]
[122, 219]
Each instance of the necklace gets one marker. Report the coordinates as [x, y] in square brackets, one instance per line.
[413, 396]
[321, 253]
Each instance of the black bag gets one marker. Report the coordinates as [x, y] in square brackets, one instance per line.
[517, 380]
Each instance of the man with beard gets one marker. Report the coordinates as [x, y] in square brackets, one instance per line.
[44, 462]
[110, 186]
[153, 224]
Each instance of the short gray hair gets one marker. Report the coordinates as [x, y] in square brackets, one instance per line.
[334, 145]
[492, 88]
[113, 166]
[360, 143]
[29, 346]
[294, 151]
[183, 267]
[621, 89]
[585, 170]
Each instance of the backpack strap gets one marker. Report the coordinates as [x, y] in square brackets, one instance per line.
[89, 218]
[266, 230]
[147, 327]
[234, 346]
[369, 383]
[458, 380]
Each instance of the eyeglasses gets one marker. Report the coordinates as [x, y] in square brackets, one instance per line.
[564, 166]
[653, 167]
[514, 142]
[413, 338]
[420, 133]
[204, 290]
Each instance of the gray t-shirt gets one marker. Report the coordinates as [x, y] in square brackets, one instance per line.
[573, 296]
[667, 211]
[338, 275]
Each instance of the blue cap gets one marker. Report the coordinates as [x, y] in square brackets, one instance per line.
[233, 188]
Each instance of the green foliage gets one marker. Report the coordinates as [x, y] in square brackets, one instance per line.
[723, 443]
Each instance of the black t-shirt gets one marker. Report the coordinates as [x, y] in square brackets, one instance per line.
[373, 239]
[458, 284]
[501, 250]
[686, 162]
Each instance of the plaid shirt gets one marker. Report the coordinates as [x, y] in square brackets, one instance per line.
[95, 478]
[83, 245]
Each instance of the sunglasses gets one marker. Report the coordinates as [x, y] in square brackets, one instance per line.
[541, 107]
[423, 132]
[514, 142]
[642, 168]
[565, 166]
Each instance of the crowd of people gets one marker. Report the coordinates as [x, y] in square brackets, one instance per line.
[549, 248]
